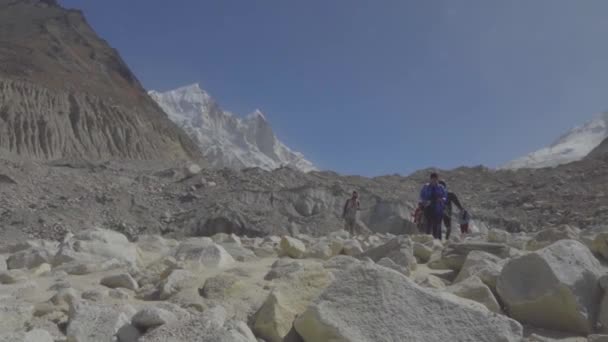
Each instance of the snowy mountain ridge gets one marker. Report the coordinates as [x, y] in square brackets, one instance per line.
[225, 139]
[572, 146]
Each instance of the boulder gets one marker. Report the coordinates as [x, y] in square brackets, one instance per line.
[223, 238]
[340, 263]
[554, 288]
[388, 263]
[436, 261]
[174, 283]
[549, 236]
[430, 281]
[274, 320]
[66, 297]
[371, 303]
[192, 170]
[241, 297]
[12, 276]
[152, 317]
[119, 294]
[96, 246]
[498, 236]
[398, 249]
[382, 251]
[35, 335]
[352, 248]
[422, 252]
[599, 245]
[203, 252]
[94, 295]
[155, 245]
[474, 289]
[292, 247]
[597, 338]
[123, 280]
[220, 286]
[239, 253]
[454, 255]
[128, 333]
[265, 251]
[211, 325]
[96, 322]
[283, 267]
[320, 250]
[483, 265]
[14, 314]
[30, 258]
[41, 270]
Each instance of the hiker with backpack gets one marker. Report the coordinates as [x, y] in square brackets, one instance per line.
[433, 197]
[418, 218]
[350, 213]
[447, 214]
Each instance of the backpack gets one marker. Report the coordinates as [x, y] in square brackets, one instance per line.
[465, 217]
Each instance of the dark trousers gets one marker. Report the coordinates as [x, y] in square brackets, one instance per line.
[447, 221]
[433, 226]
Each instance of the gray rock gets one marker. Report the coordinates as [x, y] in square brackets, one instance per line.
[123, 280]
[455, 254]
[152, 317]
[96, 322]
[371, 303]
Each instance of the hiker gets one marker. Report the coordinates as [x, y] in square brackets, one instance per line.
[351, 212]
[464, 220]
[418, 217]
[447, 214]
[433, 196]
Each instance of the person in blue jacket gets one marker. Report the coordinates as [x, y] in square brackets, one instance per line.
[433, 197]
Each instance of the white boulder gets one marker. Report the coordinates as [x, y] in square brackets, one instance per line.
[292, 247]
[474, 289]
[554, 288]
[203, 252]
[370, 303]
[483, 265]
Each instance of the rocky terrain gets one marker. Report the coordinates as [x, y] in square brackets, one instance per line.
[113, 229]
[96, 285]
[65, 93]
[47, 199]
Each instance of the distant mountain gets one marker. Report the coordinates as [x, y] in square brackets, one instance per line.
[572, 146]
[224, 139]
[65, 93]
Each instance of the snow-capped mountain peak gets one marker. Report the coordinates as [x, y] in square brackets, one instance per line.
[256, 115]
[572, 146]
[227, 140]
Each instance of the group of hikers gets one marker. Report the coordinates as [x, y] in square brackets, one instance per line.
[434, 208]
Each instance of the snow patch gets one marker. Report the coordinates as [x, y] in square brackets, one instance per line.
[572, 146]
[225, 139]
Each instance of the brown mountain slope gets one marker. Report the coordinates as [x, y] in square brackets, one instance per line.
[64, 92]
[600, 151]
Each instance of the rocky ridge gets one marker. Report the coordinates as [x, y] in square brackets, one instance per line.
[65, 93]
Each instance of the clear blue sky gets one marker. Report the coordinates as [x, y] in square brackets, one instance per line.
[378, 87]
